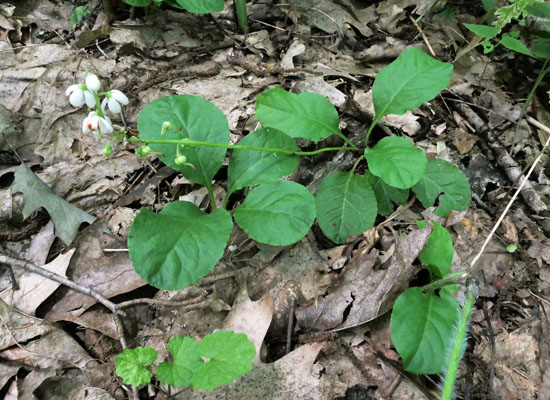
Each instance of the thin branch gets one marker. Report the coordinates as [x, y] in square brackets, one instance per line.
[27, 266]
[169, 303]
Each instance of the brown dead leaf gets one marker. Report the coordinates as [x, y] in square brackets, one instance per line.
[16, 327]
[463, 141]
[90, 267]
[365, 291]
[34, 288]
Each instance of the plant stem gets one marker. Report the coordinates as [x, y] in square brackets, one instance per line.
[450, 279]
[458, 343]
[189, 142]
[242, 15]
[371, 127]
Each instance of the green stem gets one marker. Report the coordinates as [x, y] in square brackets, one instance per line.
[242, 15]
[545, 69]
[371, 127]
[450, 279]
[458, 343]
[190, 143]
[354, 147]
[211, 195]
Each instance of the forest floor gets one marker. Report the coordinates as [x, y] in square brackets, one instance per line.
[57, 340]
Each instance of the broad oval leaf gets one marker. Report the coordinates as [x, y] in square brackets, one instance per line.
[131, 363]
[437, 254]
[412, 79]
[191, 117]
[178, 246]
[186, 360]
[252, 167]
[444, 177]
[386, 195]
[514, 44]
[422, 328]
[278, 214]
[201, 6]
[346, 205]
[305, 115]
[397, 162]
[230, 356]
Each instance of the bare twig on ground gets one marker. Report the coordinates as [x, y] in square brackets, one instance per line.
[27, 266]
[424, 37]
[169, 303]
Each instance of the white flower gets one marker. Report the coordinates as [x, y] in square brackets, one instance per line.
[92, 82]
[78, 95]
[95, 124]
[113, 100]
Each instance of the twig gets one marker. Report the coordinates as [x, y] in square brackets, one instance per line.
[27, 266]
[289, 327]
[169, 303]
[423, 35]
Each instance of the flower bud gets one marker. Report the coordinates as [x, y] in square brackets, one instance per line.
[180, 160]
[107, 150]
[92, 82]
[145, 150]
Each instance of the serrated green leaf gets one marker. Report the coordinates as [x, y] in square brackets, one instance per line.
[186, 360]
[178, 246]
[444, 177]
[484, 31]
[130, 365]
[346, 205]
[386, 195]
[422, 325]
[251, 167]
[412, 79]
[515, 45]
[230, 356]
[397, 162]
[278, 214]
[201, 6]
[66, 217]
[437, 254]
[305, 115]
[191, 117]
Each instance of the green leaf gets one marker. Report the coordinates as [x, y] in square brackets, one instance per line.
[515, 45]
[186, 360]
[278, 214]
[130, 365]
[305, 115]
[422, 325]
[201, 6]
[541, 47]
[77, 15]
[489, 5]
[397, 162]
[484, 31]
[251, 167]
[541, 10]
[138, 3]
[412, 79]
[191, 117]
[444, 177]
[178, 246]
[386, 195]
[66, 217]
[437, 254]
[230, 357]
[346, 205]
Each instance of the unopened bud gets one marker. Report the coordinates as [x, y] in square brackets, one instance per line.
[180, 160]
[145, 150]
[166, 125]
[107, 150]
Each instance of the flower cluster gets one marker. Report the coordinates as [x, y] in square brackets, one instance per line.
[88, 93]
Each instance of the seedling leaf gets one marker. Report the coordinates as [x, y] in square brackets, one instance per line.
[130, 365]
[484, 31]
[514, 44]
[201, 6]
[437, 254]
[422, 325]
[178, 246]
[386, 195]
[278, 214]
[305, 115]
[78, 15]
[397, 162]
[412, 79]
[444, 177]
[186, 360]
[66, 217]
[346, 205]
[250, 167]
[230, 357]
[191, 117]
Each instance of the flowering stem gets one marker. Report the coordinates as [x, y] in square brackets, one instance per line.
[98, 104]
[189, 142]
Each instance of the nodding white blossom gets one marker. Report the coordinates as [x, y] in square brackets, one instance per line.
[95, 124]
[92, 82]
[78, 95]
[113, 100]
